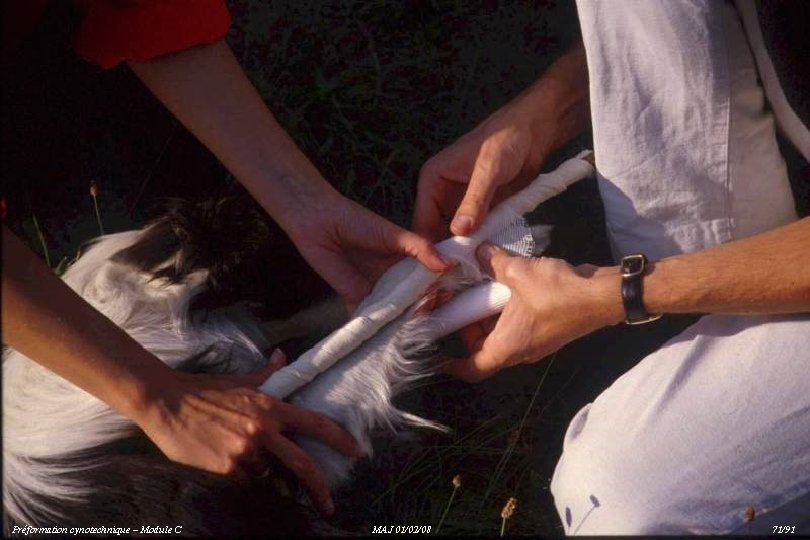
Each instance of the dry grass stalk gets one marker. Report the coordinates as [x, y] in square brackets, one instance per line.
[506, 513]
[456, 484]
[94, 194]
[41, 238]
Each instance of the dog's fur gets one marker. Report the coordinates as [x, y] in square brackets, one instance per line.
[68, 459]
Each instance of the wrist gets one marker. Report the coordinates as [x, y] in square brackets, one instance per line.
[557, 103]
[141, 394]
[295, 201]
[606, 298]
[531, 113]
[659, 294]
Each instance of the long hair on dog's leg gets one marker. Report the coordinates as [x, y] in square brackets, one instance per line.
[70, 460]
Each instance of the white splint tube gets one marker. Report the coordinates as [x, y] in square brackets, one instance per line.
[407, 281]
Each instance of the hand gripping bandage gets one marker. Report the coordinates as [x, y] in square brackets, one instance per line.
[404, 284]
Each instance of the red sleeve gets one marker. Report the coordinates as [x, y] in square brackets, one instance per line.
[113, 31]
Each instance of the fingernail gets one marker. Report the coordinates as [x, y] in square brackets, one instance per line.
[463, 224]
[277, 358]
[485, 252]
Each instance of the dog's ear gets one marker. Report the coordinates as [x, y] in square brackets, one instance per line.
[154, 248]
[227, 236]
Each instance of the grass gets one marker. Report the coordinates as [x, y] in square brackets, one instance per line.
[495, 453]
[41, 239]
[369, 90]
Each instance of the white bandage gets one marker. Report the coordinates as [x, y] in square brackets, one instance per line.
[407, 281]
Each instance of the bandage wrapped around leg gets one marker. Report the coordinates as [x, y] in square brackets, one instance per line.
[353, 373]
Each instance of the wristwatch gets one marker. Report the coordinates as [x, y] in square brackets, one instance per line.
[633, 267]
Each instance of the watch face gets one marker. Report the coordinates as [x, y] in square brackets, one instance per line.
[633, 265]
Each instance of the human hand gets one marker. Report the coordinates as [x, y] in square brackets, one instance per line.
[493, 161]
[350, 246]
[222, 424]
[552, 304]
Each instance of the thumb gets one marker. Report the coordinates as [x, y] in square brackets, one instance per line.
[253, 380]
[427, 215]
[503, 267]
[480, 365]
[344, 278]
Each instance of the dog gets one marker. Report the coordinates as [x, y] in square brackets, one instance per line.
[173, 286]
[178, 287]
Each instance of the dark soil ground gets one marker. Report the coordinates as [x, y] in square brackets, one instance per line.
[369, 91]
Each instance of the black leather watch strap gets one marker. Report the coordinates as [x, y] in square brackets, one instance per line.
[633, 267]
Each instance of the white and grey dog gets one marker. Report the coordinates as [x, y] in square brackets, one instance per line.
[69, 459]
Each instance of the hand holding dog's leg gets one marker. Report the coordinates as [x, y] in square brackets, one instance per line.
[214, 423]
[222, 424]
[553, 303]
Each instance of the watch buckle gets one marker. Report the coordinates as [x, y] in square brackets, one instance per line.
[640, 264]
[648, 319]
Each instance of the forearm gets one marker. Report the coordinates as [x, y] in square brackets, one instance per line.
[49, 323]
[766, 273]
[207, 90]
[557, 103]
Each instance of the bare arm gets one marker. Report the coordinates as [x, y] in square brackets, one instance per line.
[554, 303]
[40, 316]
[206, 89]
[216, 423]
[504, 152]
[767, 273]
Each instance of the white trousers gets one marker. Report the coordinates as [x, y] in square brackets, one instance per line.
[714, 422]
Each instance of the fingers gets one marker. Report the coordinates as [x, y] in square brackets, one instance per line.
[252, 464]
[503, 267]
[254, 380]
[491, 170]
[305, 469]
[473, 336]
[320, 427]
[427, 214]
[476, 368]
[350, 284]
[276, 417]
[277, 361]
[418, 247]
[433, 299]
[494, 346]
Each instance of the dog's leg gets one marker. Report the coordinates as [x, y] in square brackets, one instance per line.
[315, 323]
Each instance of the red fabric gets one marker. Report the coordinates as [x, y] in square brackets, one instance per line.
[113, 31]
